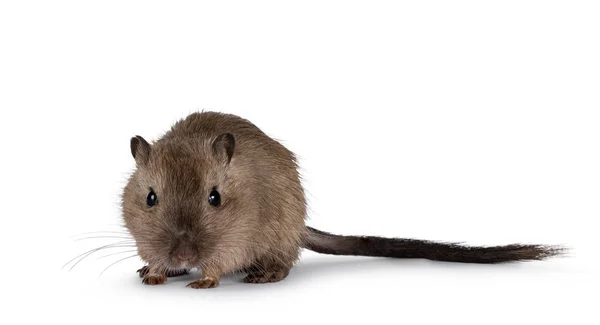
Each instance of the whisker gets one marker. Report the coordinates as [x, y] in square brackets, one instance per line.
[86, 254]
[128, 257]
[96, 237]
[102, 232]
[117, 253]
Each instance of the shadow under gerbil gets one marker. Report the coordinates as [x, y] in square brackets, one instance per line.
[321, 268]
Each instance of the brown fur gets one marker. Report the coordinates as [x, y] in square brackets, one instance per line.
[259, 226]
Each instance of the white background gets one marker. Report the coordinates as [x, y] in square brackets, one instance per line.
[472, 121]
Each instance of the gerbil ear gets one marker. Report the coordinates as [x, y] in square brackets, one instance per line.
[140, 149]
[224, 146]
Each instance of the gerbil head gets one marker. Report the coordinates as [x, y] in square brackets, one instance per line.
[179, 201]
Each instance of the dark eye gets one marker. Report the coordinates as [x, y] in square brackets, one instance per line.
[214, 198]
[151, 199]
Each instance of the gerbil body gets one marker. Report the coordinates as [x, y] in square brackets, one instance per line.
[216, 193]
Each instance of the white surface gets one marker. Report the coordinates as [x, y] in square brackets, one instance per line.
[457, 121]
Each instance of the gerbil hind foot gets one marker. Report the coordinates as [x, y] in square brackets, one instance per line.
[267, 276]
[170, 273]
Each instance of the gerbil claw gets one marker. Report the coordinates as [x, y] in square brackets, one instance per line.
[205, 282]
[143, 271]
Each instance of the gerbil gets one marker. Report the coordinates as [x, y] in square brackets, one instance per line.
[218, 194]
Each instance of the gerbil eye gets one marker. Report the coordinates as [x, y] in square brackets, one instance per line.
[151, 199]
[214, 198]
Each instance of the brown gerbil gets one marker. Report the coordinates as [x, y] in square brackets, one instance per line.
[218, 194]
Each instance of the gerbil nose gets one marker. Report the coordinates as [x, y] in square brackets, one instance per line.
[185, 251]
[185, 254]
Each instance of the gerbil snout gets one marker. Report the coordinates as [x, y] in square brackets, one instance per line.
[185, 251]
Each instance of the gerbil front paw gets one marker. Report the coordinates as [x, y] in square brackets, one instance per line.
[154, 279]
[206, 282]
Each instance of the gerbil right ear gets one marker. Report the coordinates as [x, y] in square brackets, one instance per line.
[224, 146]
[140, 149]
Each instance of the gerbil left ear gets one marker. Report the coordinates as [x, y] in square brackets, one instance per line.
[140, 149]
[224, 146]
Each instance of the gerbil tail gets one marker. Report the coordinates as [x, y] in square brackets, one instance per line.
[326, 243]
